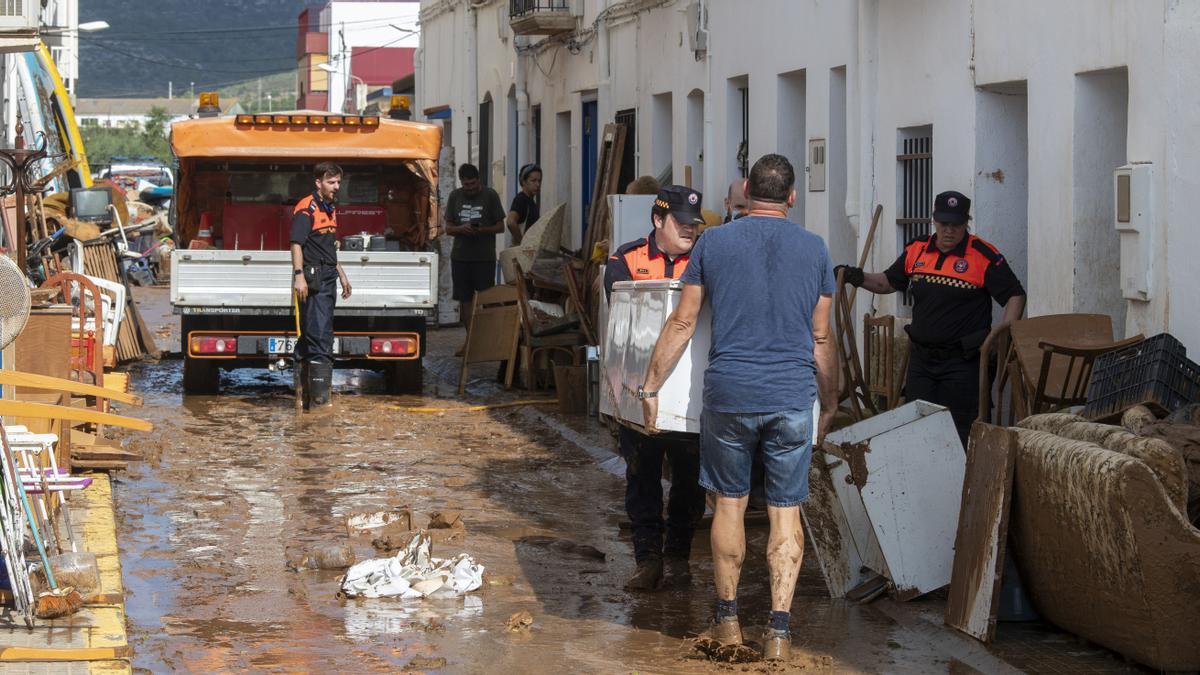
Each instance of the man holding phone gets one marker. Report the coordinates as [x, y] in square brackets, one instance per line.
[474, 216]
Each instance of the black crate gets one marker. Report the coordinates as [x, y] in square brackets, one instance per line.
[1155, 373]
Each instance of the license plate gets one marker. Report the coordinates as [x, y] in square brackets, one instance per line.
[287, 345]
[281, 345]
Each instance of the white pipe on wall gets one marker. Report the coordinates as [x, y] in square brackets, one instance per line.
[522, 96]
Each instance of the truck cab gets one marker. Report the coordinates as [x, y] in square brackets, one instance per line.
[237, 184]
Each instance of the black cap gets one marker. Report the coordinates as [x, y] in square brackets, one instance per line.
[681, 202]
[952, 208]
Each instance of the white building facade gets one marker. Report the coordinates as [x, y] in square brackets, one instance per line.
[370, 25]
[1028, 107]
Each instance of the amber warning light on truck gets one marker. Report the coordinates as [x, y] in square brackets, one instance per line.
[309, 120]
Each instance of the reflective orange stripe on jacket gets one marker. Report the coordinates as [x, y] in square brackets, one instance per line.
[322, 222]
[646, 262]
[968, 271]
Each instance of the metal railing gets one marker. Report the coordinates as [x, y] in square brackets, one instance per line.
[519, 8]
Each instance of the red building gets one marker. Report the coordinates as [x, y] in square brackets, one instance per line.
[365, 40]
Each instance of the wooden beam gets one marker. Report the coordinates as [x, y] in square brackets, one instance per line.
[57, 412]
[19, 379]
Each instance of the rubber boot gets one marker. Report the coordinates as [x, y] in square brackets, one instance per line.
[647, 577]
[320, 383]
[677, 573]
[300, 380]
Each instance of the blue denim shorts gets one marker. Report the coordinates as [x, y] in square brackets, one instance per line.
[729, 441]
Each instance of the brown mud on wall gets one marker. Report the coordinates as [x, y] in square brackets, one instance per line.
[1103, 551]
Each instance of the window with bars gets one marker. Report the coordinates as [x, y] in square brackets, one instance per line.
[914, 203]
[629, 156]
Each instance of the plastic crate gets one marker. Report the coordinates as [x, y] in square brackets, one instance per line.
[1155, 373]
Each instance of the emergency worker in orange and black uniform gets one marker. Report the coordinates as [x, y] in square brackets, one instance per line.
[315, 274]
[953, 276]
[663, 254]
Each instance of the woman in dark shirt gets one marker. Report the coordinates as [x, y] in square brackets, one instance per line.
[525, 210]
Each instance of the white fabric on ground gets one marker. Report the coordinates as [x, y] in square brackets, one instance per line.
[413, 573]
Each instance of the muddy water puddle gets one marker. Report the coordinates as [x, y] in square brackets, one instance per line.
[235, 484]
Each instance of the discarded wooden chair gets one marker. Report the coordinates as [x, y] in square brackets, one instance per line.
[1043, 364]
[853, 386]
[537, 338]
[575, 299]
[493, 332]
[87, 362]
[882, 379]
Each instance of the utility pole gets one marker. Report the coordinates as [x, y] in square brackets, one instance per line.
[170, 90]
[192, 90]
[260, 93]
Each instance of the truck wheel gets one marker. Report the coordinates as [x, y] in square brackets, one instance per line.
[405, 377]
[200, 376]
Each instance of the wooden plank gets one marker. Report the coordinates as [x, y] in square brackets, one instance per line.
[101, 452]
[979, 546]
[26, 381]
[54, 412]
[102, 465]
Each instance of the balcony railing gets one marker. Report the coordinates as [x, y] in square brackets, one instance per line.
[541, 17]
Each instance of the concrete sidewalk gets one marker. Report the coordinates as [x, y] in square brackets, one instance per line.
[92, 640]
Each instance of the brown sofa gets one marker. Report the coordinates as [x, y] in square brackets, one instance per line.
[1102, 546]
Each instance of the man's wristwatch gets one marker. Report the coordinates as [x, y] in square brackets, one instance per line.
[297, 273]
[642, 394]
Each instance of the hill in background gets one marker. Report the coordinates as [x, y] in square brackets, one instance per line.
[215, 43]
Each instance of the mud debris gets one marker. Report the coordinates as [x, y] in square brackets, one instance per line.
[422, 663]
[519, 622]
[363, 523]
[718, 652]
[324, 557]
[562, 546]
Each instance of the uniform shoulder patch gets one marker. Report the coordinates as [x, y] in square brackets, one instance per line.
[631, 246]
[990, 252]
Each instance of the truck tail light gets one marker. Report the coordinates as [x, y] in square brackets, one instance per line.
[213, 344]
[393, 346]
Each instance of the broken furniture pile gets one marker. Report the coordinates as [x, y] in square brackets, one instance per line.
[546, 315]
[59, 246]
[1097, 522]
[35, 464]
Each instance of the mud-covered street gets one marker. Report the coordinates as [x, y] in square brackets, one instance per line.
[235, 485]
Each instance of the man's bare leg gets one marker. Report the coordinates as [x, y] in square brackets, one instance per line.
[785, 554]
[728, 551]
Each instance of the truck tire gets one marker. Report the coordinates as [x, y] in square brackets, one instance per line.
[405, 377]
[200, 376]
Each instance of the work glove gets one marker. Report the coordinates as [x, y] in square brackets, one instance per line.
[854, 275]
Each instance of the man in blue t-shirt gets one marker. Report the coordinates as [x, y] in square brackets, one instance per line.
[770, 284]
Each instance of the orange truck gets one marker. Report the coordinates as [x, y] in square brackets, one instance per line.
[238, 179]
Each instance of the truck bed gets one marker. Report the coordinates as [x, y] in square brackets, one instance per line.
[214, 281]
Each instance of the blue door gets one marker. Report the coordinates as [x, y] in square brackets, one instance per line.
[590, 134]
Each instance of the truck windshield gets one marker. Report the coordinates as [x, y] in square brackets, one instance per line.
[287, 187]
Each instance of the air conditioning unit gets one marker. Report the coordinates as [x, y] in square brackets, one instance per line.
[19, 15]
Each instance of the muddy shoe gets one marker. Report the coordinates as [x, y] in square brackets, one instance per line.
[727, 631]
[677, 573]
[648, 576]
[777, 645]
